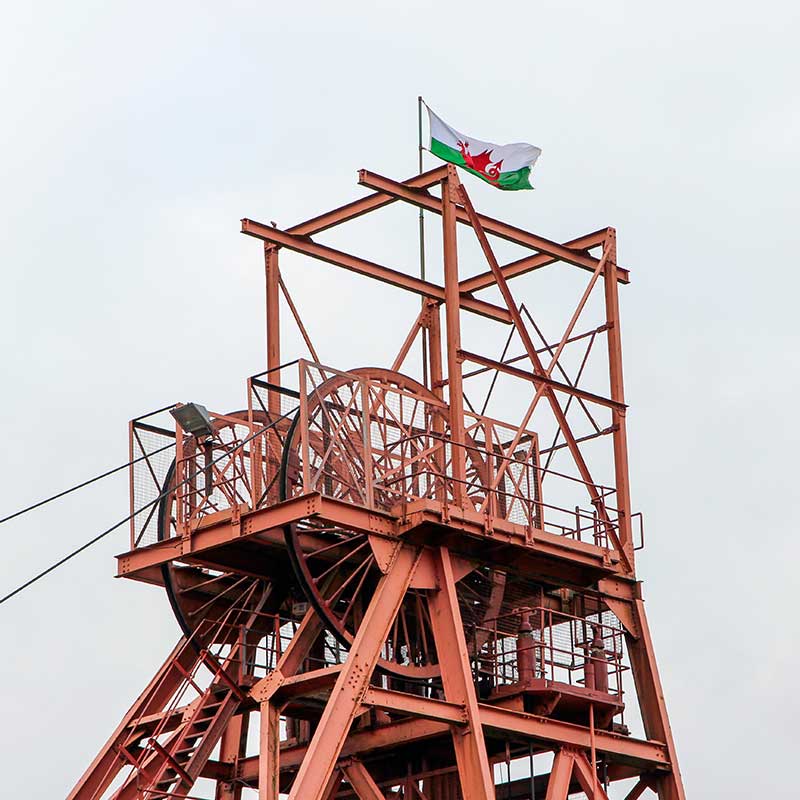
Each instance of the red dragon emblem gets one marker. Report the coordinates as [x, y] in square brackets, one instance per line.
[481, 163]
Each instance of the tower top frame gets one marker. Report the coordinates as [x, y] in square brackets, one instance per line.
[426, 496]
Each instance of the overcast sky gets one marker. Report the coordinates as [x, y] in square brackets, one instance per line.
[134, 137]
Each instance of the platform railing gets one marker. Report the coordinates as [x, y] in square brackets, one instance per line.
[540, 644]
[377, 445]
[359, 440]
[180, 480]
[151, 443]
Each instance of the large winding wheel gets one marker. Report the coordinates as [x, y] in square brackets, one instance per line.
[214, 606]
[377, 438]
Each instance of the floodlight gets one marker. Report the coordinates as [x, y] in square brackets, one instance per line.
[194, 419]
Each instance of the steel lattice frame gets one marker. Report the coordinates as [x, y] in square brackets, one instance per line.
[426, 547]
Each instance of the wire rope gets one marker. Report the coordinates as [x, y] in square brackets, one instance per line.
[138, 511]
[85, 483]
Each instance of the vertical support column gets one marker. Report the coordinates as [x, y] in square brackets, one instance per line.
[271, 445]
[474, 771]
[273, 318]
[366, 441]
[233, 746]
[620, 436]
[269, 767]
[435, 353]
[453, 327]
[645, 671]
[560, 775]
[182, 489]
[260, 449]
[435, 349]
[131, 485]
[302, 365]
[348, 691]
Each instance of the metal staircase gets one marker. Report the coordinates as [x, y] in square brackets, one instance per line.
[170, 767]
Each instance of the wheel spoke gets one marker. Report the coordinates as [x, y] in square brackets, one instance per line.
[345, 557]
[364, 565]
[378, 428]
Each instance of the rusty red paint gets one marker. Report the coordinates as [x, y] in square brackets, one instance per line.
[426, 537]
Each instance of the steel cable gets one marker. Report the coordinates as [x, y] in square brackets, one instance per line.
[163, 494]
[85, 483]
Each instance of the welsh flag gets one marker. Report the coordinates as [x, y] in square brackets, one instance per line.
[506, 166]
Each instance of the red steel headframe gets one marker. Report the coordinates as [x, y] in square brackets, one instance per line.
[391, 522]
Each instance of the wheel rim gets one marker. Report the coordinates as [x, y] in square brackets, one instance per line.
[338, 568]
[213, 606]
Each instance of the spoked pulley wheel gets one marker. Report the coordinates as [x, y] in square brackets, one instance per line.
[213, 607]
[373, 437]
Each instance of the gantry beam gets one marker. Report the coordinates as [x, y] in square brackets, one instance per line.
[547, 248]
[434, 718]
[531, 263]
[307, 247]
[265, 525]
[364, 205]
[544, 729]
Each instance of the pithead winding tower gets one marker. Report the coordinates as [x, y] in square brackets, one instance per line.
[417, 599]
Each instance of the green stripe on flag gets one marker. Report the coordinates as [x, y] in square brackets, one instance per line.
[510, 181]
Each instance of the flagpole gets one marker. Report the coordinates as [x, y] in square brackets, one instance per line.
[420, 103]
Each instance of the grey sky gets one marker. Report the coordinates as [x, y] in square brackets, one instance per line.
[134, 137]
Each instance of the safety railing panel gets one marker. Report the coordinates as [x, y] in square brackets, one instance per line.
[151, 441]
[370, 439]
[540, 643]
[272, 407]
[213, 471]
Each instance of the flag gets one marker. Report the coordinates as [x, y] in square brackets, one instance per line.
[506, 166]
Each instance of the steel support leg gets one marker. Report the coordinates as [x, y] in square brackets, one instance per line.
[587, 777]
[641, 787]
[108, 762]
[233, 746]
[361, 781]
[269, 767]
[652, 704]
[345, 700]
[451, 646]
[332, 786]
[560, 776]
